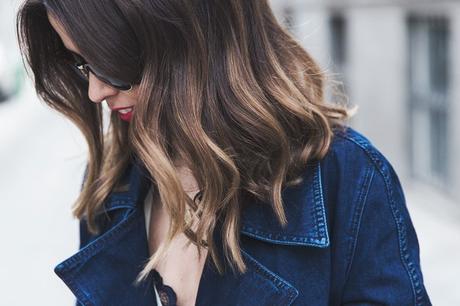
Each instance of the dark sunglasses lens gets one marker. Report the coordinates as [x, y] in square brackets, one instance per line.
[109, 80]
[83, 69]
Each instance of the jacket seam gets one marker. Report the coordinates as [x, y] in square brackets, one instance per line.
[357, 217]
[405, 257]
[320, 216]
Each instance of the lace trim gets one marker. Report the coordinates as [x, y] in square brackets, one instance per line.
[167, 295]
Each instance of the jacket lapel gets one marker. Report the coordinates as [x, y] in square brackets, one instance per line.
[260, 285]
[257, 286]
[103, 271]
[305, 213]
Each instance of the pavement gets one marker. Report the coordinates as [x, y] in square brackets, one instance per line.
[42, 158]
[436, 219]
[42, 161]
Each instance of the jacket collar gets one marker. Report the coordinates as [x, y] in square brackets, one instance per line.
[103, 271]
[305, 213]
[304, 208]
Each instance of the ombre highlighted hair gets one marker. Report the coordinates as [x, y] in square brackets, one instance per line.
[225, 89]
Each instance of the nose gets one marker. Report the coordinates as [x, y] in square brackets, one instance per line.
[98, 91]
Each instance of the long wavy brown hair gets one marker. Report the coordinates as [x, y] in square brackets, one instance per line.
[225, 88]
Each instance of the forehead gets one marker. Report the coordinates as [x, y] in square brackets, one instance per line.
[68, 43]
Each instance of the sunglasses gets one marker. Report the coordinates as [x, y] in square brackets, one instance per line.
[83, 69]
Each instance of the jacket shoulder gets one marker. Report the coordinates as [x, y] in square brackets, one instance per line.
[367, 208]
[350, 148]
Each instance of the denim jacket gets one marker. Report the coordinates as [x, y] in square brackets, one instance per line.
[349, 241]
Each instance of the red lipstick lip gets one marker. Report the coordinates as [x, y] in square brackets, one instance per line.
[118, 108]
[126, 117]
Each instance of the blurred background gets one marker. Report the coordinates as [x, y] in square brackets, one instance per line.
[395, 59]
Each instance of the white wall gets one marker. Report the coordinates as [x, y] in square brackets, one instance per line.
[377, 79]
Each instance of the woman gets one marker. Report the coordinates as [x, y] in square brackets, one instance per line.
[223, 177]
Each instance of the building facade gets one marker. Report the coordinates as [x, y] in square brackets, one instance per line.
[397, 62]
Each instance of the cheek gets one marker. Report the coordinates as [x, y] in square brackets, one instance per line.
[129, 98]
[133, 96]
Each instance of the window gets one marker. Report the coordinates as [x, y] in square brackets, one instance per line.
[338, 49]
[338, 40]
[429, 97]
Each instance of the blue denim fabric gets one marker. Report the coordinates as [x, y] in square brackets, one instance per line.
[349, 241]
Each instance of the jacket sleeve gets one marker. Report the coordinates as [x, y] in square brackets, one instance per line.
[385, 266]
